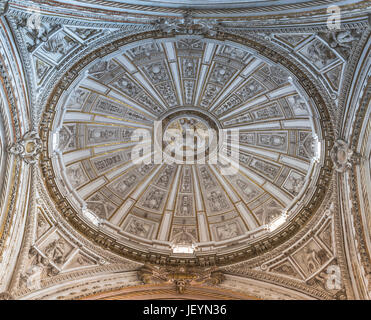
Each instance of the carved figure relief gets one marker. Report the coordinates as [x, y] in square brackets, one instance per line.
[187, 25]
[217, 201]
[294, 182]
[298, 105]
[77, 99]
[59, 46]
[103, 69]
[35, 271]
[228, 230]
[28, 148]
[154, 199]
[36, 35]
[185, 206]
[248, 190]
[123, 184]
[207, 180]
[85, 33]
[76, 175]
[189, 67]
[138, 228]
[344, 38]
[165, 177]
[319, 54]
[311, 257]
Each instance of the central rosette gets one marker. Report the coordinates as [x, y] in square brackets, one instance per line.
[189, 137]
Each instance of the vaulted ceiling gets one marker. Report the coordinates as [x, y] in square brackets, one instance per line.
[84, 82]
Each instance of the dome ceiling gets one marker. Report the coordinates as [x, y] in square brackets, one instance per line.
[90, 87]
[199, 83]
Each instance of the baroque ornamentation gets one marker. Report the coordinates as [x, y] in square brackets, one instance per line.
[37, 32]
[181, 276]
[29, 148]
[344, 38]
[143, 221]
[138, 222]
[342, 156]
[39, 268]
[302, 41]
[343, 41]
[188, 25]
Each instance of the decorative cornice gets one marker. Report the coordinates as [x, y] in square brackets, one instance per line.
[180, 276]
[109, 8]
[286, 283]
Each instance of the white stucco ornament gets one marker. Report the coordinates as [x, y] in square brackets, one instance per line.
[28, 148]
[188, 25]
[341, 155]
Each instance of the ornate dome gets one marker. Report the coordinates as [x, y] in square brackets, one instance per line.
[195, 149]
[115, 106]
